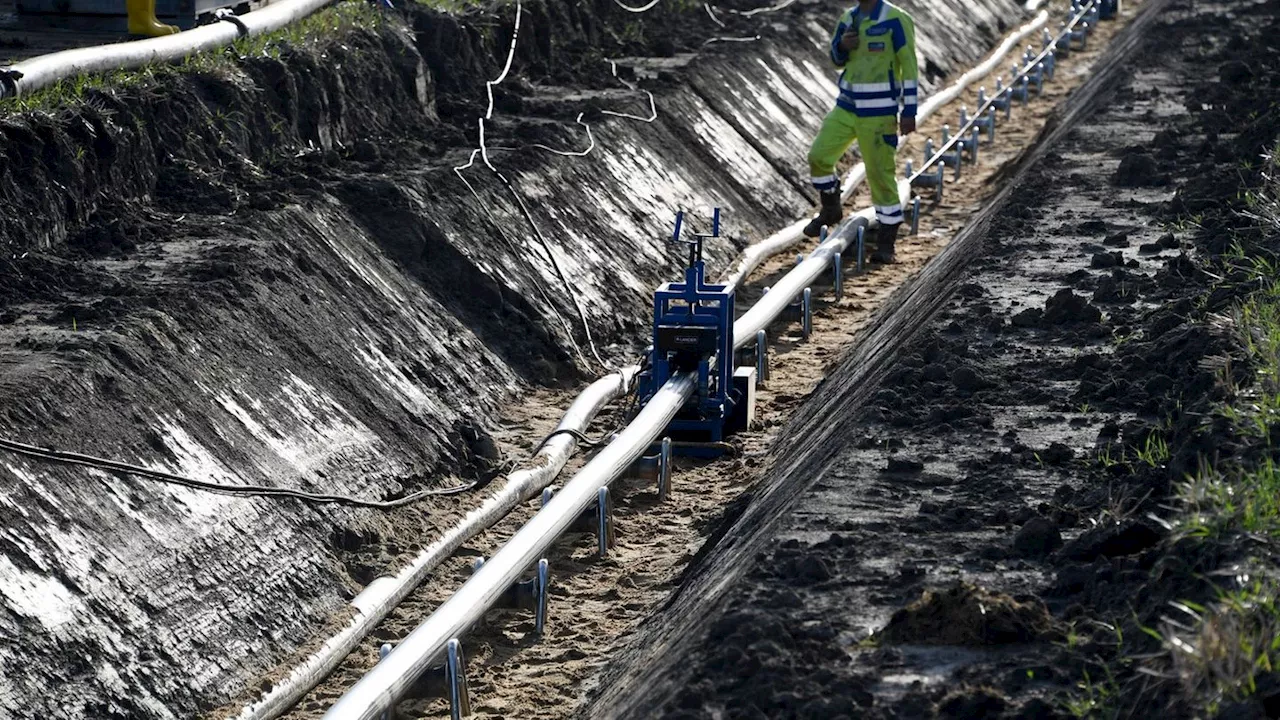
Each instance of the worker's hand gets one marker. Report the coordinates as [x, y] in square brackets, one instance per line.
[849, 40]
[906, 125]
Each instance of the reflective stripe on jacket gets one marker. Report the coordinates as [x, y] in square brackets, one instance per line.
[881, 71]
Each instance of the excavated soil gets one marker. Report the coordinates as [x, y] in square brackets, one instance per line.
[264, 268]
[971, 535]
[598, 603]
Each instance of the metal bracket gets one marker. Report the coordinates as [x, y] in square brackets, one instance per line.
[528, 594]
[600, 518]
[806, 312]
[985, 123]
[448, 681]
[1061, 44]
[1034, 74]
[970, 145]
[951, 158]
[1050, 64]
[860, 242]
[1020, 92]
[934, 178]
[762, 359]
[605, 538]
[664, 468]
[837, 277]
[1080, 35]
[1002, 101]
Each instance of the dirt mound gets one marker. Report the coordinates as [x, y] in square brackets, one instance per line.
[965, 614]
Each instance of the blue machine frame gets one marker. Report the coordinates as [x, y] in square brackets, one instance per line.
[693, 330]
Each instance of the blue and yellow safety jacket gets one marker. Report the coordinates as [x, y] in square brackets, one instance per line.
[881, 71]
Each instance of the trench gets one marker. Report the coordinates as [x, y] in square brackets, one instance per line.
[266, 271]
[940, 524]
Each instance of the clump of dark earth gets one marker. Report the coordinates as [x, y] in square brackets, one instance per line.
[1106, 260]
[968, 615]
[1036, 538]
[974, 703]
[1140, 169]
[1067, 307]
[1120, 239]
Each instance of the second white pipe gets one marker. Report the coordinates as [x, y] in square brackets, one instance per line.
[382, 595]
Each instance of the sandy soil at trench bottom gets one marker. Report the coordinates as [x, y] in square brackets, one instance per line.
[594, 602]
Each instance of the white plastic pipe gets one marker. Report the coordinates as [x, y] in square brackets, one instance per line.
[805, 274]
[392, 677]
[45, 70]
[782, 240]
[385, 593]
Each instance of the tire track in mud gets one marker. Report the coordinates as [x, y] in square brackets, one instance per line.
[596, 604]
[962, 469]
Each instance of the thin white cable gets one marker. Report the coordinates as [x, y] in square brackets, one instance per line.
[708, 41]
[653, 106]
[577, 302]
[712, 14]
[645, 8]
[769, 9]
[591, 143]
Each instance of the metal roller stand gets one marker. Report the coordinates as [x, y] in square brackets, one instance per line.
[1022, 91]
[604, 522]
[985, 123]
[1002, 101]
[1108, 9]
[448, 681]
[1061, 43]
[1034, 74]
[762, 357]
[934, 178]
[952, 158]
[806, 310]
[664, 464]
[915, 215]
[1080, 36]
[837, 278]
[529, 594]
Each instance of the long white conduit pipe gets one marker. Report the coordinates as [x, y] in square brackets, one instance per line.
[792, 234]
[385, 593]
[377, 600]
[392, 677]
[45, 70]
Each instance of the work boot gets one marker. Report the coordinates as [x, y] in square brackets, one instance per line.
[886, 236]
[829, 215]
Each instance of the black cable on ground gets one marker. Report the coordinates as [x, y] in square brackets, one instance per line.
[67, 458]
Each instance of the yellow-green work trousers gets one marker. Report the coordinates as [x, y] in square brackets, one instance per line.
[877, 141]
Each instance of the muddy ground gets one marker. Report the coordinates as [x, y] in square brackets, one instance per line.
[263, 268]
[597, 604]
[969, 536]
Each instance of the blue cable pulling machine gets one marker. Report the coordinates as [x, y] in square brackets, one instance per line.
[693, 332]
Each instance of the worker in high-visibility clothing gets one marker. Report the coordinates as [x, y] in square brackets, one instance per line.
[875, 44]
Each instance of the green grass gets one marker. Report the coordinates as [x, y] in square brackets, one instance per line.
[1216, 652]
[1213, 654]
[319, 28]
